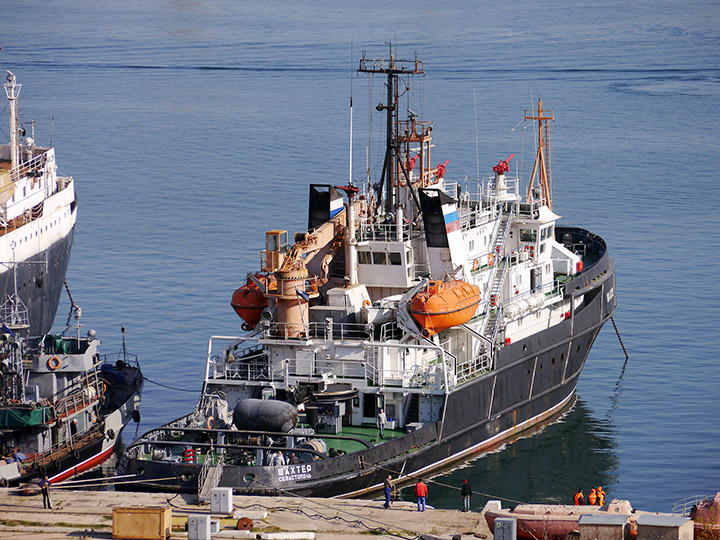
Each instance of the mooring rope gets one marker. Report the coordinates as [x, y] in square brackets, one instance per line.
[168, 386]
[358, 522]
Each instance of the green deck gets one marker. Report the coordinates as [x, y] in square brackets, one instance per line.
[366, 432]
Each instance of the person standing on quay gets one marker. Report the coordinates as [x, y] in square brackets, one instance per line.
[421, 492]
[579, 498]
[600, 496]
[388, 491]
[381, 421]
[466, 493]
[45, 488]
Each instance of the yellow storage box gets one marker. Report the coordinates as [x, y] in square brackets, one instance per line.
[142, 523]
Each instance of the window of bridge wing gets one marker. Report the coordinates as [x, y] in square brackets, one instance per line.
[379, 257]
[528, 235]
[395, 258]
[364, 257]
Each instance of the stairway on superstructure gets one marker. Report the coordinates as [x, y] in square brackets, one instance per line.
[496, 281]
[412, 410]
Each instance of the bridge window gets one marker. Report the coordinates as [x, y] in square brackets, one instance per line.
[379, 257]
[364, 257]
[395, 258]
[528, 235]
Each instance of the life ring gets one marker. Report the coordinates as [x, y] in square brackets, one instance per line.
[210, 423]
[491, 259]
[476, 265]
[53, 363]
[366, 303]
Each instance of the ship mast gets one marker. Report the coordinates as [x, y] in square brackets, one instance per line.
[393, 69]
[12, 91]
[542, 159]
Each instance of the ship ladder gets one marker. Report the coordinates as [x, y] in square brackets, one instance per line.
[210, 475]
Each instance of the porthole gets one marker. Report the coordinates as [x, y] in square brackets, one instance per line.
[524, 348]
[562, 356]
[553, 361]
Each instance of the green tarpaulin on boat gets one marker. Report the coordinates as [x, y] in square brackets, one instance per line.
[17, 418]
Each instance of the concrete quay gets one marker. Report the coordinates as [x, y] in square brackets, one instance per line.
[88, 514]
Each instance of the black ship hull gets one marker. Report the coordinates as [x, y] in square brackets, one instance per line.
[534, 380]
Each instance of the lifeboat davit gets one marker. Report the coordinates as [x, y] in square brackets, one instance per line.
[248, 302]
[444, 304]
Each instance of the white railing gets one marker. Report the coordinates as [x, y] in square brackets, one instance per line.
[383, 232]
[684, 506]
[38, 162]
[316, 330]
[415, 377]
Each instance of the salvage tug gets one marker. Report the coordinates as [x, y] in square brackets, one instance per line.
[458, 309]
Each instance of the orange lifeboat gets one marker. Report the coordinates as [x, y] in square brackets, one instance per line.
[444, 304]
[248, 302]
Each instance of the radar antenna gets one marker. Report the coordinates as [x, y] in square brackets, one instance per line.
[393, 68]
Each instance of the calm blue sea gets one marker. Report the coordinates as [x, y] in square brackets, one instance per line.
[191, 127]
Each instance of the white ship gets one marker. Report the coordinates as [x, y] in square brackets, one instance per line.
[38, 209]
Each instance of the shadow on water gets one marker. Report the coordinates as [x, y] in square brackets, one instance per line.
[544, 465]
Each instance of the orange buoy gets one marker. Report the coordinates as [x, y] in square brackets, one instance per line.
[444, 304]
[248, 302]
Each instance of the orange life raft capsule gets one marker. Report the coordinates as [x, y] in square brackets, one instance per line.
[444, 304]
[248, 302]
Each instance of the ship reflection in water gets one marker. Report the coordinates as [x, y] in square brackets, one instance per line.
[542, 465]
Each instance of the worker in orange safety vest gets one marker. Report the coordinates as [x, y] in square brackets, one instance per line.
[592, 498]
[579, 498]
[600, 496]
